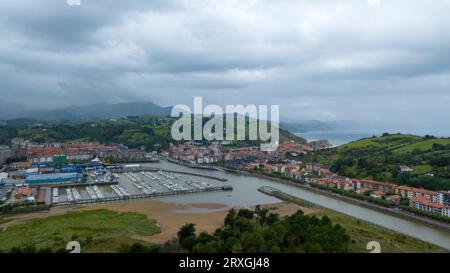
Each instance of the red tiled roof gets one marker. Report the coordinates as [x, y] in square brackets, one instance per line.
[422, 191]
[24, 191]
[386, 184]
[424, 201]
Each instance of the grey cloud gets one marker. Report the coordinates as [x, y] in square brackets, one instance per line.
[317, 59]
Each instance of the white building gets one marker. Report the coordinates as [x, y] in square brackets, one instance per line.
[3, 176]
[5, 153]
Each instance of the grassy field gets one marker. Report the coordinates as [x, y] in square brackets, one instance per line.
[387, 142]
[362, 232]
[423, 145]
[96, 231]
[398, 144]
[3, 220]
[422, 169]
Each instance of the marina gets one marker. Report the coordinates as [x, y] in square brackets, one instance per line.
[135, 183]
[142, 196]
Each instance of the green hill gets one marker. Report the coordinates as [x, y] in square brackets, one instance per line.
[133, 131]
[380, 158]
[91, 112]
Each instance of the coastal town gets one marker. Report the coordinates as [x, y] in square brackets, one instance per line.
[283, 164]
[28, 167]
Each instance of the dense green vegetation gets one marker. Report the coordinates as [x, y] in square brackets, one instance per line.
[95, 230]
[23, 207]
[133, 131]
[380, 158]
[259, 231]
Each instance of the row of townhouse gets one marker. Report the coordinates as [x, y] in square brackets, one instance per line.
[379, 189]
[426, 200]
[443, 197]
[195, 154]
[207, 159]
[79, 156]
[370, 185]
[313, 167]
[423, 204]
[195, 158]
[410, 193]
[292, 171]
[346, 185]
[285, 169]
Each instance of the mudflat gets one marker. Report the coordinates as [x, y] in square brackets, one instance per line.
[171, 216]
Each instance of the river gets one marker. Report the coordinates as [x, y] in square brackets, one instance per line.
[245, 194]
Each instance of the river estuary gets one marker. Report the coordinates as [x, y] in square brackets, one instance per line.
[245, 194]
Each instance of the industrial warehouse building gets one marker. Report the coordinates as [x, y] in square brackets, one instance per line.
[53, 178]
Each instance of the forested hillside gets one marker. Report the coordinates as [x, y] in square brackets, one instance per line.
[133, 131]
[380, 158]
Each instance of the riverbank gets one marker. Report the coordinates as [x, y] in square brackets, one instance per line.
[390, 211]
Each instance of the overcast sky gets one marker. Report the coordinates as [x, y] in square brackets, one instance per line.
[366, 60]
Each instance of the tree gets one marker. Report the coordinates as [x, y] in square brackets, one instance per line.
[186, 236]
[171, 246]
[137, 248]
[204, 237]
[298, 232]
[189, 243]
[362, 162]
[245, 213]
[262, 215]
[230, 218]
[188, 230]
[272, 218]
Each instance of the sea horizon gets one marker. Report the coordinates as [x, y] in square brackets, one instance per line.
[341, 137]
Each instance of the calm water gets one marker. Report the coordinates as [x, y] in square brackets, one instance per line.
[338, 137]
[245, 194]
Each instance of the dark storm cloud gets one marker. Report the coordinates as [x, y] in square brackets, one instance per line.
[352, 59]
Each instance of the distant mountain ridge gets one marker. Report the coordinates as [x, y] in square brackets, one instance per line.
[91, 112]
